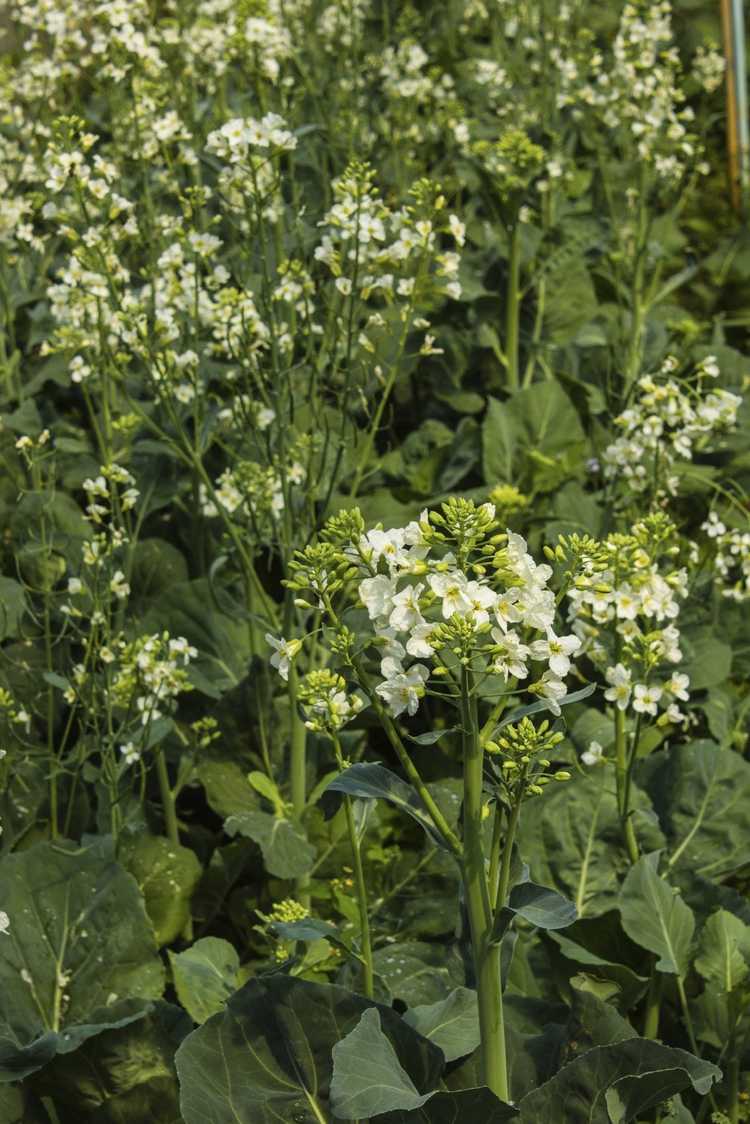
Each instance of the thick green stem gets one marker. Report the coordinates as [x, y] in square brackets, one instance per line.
[622, 774]
[486, 956]
[167, 798]
[513, 307]
[298, 770]
[653, 1005]
[368, 979]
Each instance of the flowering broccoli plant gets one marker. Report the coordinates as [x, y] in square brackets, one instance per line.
[457, 610]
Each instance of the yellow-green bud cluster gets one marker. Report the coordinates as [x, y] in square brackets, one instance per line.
[522, 766]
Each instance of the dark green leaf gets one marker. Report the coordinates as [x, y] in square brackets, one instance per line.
[286, 852]
[466, 1106]
[614, 1084]
[267, 1058]
[540, 906]
[701, 794]
[79, 955]
[12, 607]
[724, 954]
[374, 782]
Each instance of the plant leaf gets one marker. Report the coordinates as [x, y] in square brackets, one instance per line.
[286, 851]
[375, 782]
[79, 929]
[655, 916]
[368, 1079]
[451, 1023]
[540, 906]
[724, 953]
[167, 875]
[615, 1084]
[478, 1105]
[204, 976]
[701, 794]
[267, 1057]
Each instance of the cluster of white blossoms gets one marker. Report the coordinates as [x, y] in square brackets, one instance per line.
[640, 91]
[149, 673]
[448, 585]
[373, 250]
[669, 421]
[623, 607]
[731, 558]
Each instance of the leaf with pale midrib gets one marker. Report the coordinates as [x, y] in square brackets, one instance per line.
[267, 1057]
[74, 913]
[656, 917]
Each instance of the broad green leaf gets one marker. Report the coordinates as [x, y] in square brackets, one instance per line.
[204, 976]
[708, 661]
[465, 1106]
[540, 906]
[267, 1057]
[227, 788]
[655, 916]
[368, 1079]
[605, 953]
[123, 1076]
[419, 972]
[701, 794]
[286, 851]
[724, 951]
[79, 954]
[17, 1106]
[538, 420]
[167, 874]
[451, 1023]
[615, 1084]
[375, 782]
[573, 842]
[12, 607]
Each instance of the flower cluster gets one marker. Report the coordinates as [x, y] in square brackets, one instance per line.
[149, 673]
[623, 605]
[447, 591]
[731, 557]
[518, 759]
[668, 422]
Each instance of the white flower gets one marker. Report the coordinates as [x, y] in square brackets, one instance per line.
[646, 698]
[418, 643]
[75, 585]
[403, 690]
[406, 613]
[677, 686]
[556, 649]
[593, 755]
[481, 598]
[4, 922]
[376, 594]
[130, 754]
[552, 689]
[452, 589]
[506, 610]
[285, 651]
[619, 692]
[510, 655]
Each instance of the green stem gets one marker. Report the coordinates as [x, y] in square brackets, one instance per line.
[513, 307]
[167, 798]
[486, 956]
[653, 1005]
[368, 979]
[622, 774]
[298, 771]
[510, 836]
